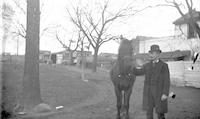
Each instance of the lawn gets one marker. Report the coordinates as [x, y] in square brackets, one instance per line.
[59, 85]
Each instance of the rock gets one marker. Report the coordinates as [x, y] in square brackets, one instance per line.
[42, 107]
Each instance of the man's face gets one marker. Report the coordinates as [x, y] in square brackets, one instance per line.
[154, 55]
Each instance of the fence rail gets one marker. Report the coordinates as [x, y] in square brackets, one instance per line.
[182, 75]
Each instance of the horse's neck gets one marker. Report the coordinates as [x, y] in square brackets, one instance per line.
[117, 67]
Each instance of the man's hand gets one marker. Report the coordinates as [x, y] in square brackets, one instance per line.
[139, 62]
[164, 97]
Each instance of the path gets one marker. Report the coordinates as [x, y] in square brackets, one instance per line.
[102, 105]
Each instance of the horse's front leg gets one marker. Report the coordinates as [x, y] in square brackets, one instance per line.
[119, 101]
[126, 102]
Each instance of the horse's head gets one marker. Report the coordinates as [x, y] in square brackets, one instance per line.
[125, 52]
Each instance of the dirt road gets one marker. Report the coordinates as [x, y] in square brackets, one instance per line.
[102, 105]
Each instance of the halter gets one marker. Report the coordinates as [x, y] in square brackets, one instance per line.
[126, 76]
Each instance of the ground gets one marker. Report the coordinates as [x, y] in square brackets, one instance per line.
[95, 99]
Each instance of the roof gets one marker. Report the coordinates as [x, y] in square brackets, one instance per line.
[61, 52]
[181, 20]
[145, 37]
[45, 52]
[107, 54]
[167, 55]
[84, 51]
[105, 59]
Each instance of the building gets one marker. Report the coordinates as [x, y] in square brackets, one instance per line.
[182, 27]
[44, 56]
[169, 56]
[106, 59]
[109, 55]
[64, 57]
[185, 39]
[177, 50]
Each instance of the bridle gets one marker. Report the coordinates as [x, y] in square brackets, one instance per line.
[126, 76]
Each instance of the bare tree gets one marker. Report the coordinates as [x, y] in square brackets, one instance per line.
[68, 47]
[190, 18]
[96, 30]
[31, 84]
[7, 15]
[19, 25]
[19, 28]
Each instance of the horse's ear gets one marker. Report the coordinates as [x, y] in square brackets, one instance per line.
[121, 36]
[123, 39]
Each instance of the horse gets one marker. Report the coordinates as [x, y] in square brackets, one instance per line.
[123, 78]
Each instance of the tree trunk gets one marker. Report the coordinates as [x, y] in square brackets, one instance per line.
[195, 27]
[71, 57]
[95, 57]
[31, 84]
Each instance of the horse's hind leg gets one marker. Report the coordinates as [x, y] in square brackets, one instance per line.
[119, 101]
[127, 95]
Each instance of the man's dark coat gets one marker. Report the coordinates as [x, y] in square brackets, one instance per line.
[163, 84]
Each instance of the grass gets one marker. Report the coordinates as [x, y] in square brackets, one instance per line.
[59, 85]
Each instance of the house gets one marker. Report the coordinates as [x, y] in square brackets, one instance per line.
[5, 57]
[182, 27]
[169, 56]
[184, 39]
[44, 56]
[109, 55]
[106, 59]
[64, 57]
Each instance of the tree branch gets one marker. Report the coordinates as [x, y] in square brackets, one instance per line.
[188, 6]
[108, 39]
[63, 44]
[79, 39]
[19, 6]
[19, 34]
[78, 24]
[191, 3]
[90, 21]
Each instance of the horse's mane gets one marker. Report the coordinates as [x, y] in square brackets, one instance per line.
[125, 49]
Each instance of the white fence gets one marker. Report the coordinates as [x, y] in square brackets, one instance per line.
[182, 75]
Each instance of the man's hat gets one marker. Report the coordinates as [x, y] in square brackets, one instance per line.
[155, 48]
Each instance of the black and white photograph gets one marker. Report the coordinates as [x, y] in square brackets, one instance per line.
[100, 59]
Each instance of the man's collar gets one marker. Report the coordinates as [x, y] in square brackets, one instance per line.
[156, 61]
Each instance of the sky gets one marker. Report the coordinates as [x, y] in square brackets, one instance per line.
[156, 22]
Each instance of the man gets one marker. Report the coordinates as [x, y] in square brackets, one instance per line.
[156, 84]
